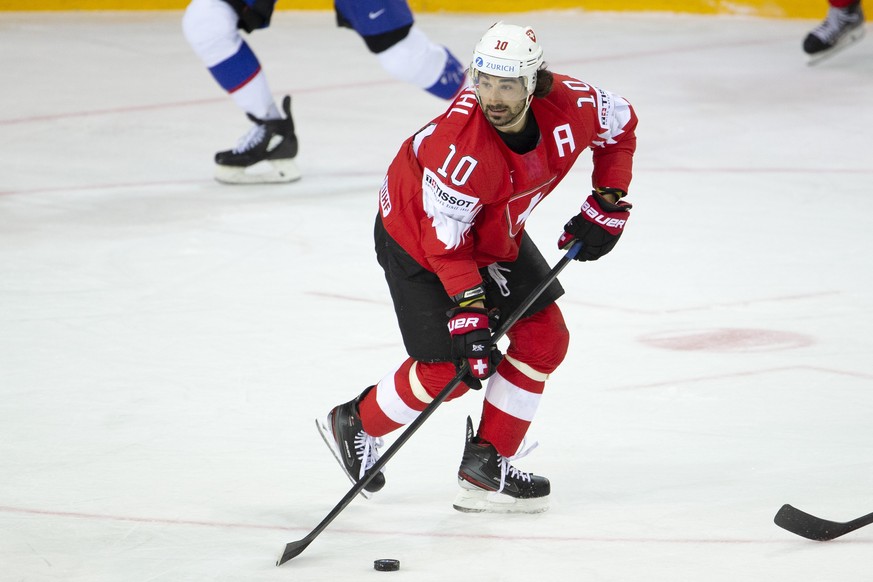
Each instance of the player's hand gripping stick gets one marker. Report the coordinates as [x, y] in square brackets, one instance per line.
[598, 226]
[470, 328]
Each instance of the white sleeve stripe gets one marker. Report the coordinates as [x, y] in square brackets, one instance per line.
[419, 137]
[511, 399]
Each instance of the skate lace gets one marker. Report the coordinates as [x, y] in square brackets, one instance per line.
[833, 25]
[514, 473]
[498, 278]
[367, 448]
[251, 139]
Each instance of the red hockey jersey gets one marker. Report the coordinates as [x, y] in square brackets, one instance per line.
[456, 197]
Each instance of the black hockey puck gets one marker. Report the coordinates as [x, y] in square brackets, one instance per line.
[387, 565]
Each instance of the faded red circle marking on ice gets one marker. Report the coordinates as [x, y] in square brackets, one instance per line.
[728, 340]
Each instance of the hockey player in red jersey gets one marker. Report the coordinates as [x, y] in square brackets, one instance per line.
[450, 236]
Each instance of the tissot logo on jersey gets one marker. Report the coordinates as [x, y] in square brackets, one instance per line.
[448, 198]
[452, 211]
[604, 99]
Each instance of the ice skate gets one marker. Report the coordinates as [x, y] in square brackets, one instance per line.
[489, 483]
[265, 155]
[842, 28]
[354, 449]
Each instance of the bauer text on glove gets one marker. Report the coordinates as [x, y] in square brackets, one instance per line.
[472, 341]
[598, 227]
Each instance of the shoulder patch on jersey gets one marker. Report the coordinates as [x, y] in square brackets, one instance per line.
[604, 107]
[421, 135]
[614, 113]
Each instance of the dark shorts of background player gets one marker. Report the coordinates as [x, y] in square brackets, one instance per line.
[421, 301]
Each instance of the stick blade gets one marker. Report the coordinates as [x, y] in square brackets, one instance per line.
[292, 550]
[805, 525]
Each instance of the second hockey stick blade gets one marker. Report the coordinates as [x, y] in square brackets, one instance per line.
[815, 528]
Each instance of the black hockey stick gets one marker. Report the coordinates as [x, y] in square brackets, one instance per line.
[293, 549]
[815, 528]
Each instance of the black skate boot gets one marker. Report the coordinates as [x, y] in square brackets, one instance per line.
[265, 155]
[841, 28]
[490, 483]
[355, 450]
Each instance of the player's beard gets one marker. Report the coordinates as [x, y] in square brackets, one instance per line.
[505, 116]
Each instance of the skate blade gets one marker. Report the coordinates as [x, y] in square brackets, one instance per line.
[264, 172]
[327, 437]
[479, 501]
[844, 43]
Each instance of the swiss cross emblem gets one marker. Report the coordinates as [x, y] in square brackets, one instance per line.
[521, 205]
[519, 208]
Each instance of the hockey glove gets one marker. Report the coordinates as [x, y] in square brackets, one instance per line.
[470, 328]
[598, 227]
[255, 15]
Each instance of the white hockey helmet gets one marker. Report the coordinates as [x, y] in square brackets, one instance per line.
[507, 50]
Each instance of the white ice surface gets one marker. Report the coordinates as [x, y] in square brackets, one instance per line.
[166, 341]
